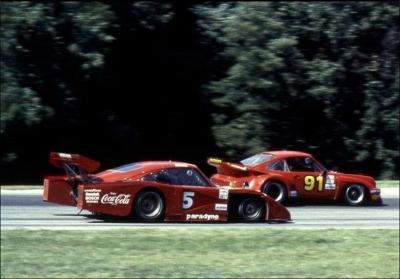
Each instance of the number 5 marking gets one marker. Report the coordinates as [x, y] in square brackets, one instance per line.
[309, 182]
[187, 201]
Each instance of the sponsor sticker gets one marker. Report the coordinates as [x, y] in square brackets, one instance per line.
[223, 194]
[205, 217]
[293, 193]
[221, 206]
[114, 199]
[92, 195]
[330, 182]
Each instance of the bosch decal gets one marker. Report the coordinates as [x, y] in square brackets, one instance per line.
[92, 195]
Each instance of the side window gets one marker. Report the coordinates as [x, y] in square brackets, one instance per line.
[177, 176]
[160, 176]
[302, 164]
[279, 166]
[188, 176]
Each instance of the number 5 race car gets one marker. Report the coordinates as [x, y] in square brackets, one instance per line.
[295, 175]
[155, 191]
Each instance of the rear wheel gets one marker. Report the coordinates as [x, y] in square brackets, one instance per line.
[354, 194]
[275, 190]
[149, 206]
[251, 209]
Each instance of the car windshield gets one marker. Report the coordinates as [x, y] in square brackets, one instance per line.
[257, 159]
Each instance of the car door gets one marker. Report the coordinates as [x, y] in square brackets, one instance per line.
[310, 179]
[195, 199]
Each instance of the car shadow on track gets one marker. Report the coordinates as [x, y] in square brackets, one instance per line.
[101, 218]
[328, 204]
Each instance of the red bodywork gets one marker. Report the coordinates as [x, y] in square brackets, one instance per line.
[309, 185]
[114, 191]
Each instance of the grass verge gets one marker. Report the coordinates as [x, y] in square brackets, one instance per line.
[388, 183]
[200, 252]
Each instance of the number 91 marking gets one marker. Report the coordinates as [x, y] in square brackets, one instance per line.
[309, 183]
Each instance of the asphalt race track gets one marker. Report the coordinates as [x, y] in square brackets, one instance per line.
[24, 209]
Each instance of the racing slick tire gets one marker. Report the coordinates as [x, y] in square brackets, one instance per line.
[149, 206]
[275, 190]
[354, 194]
[251, 209]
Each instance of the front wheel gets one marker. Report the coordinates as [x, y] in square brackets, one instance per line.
[251, 209]
[149, 206]
[275, 190]
[354, 195]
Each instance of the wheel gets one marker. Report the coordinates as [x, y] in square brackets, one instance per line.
[354, 194]
[251, 209]
[275, 190]
[149, 206]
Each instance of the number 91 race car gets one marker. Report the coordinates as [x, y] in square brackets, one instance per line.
[292, 175]
[155, 191]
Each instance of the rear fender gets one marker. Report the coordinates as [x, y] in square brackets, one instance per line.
[57, 190]
[117, 198]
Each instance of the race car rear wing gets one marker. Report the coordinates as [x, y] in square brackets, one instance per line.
[59, 160]
[228, 168]
[64, 190]
[75, 165]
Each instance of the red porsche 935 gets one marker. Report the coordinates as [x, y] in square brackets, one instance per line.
[286, 175]
[155, 191]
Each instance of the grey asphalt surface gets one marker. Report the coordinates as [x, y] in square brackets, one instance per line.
[26, 210]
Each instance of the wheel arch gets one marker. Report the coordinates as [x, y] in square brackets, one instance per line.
[146, 188]
[236, 198]
[341, 192]
[276, 179]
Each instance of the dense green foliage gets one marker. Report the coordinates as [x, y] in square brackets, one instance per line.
[143, 80]
[315, 76]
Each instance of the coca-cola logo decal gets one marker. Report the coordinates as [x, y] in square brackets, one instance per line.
[114, 198]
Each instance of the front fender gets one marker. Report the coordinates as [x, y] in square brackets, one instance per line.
[346, 179]
[274, 210]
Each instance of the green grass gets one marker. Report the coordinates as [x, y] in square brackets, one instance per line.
[201, 252]
[387, 183]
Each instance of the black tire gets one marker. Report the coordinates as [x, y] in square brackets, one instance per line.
[149, 206]
[275, 190]
[251, 209]
[354, 194]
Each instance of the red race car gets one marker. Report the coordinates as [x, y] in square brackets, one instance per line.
[286, 175]
[155, 191]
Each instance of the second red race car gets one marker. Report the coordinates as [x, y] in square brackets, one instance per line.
[155, 191]
[288, 175]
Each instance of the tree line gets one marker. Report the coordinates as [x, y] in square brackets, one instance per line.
[137, 81]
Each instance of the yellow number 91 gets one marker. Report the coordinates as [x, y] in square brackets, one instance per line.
[309, 182]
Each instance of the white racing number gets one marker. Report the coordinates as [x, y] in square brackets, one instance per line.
[187, 201]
